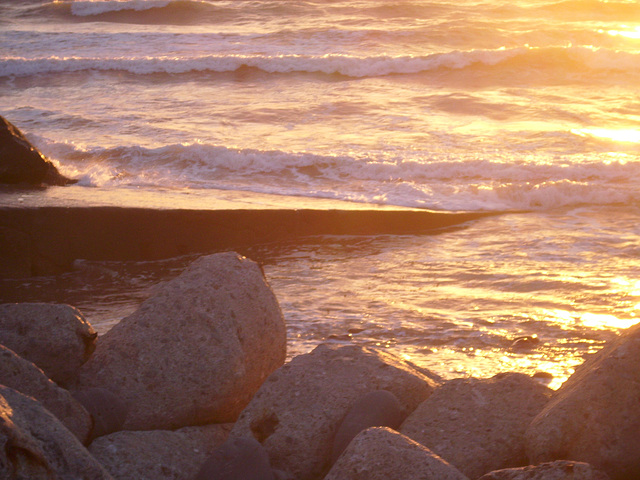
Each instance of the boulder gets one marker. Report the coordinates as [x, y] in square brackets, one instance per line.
[380, 453]
[196, 351]
[297, 411]
[34, 445]
[158, 454]
[479, 425]
[24, 376]
[558, 470]
[379, 408]
[21, 163]
[237, 458]
[594, 416]
[57, 338]
[107, 411]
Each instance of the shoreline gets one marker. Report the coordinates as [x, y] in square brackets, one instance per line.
[45, 234]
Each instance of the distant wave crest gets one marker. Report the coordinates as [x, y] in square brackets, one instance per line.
[551, 59]
[130, 11]
[87, 8]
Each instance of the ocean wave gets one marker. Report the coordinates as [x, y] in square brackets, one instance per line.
[86, 8]
[131, 11]
[593, 10]
[552, 59]
[453, 183]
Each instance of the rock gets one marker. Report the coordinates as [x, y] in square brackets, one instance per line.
[297, 411]
[34, 445]
[379, 408]
[22, 163]
[524, 343]
[57, 338]
[237, 458]
[559, 470]
[594, 416]
[380, 453]
[158, 454]
[15, 254]
[24, 376]
[478, 425]
[196, 351]
[107, 411]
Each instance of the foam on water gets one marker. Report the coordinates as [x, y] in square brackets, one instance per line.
[460, 183]
[576, 59]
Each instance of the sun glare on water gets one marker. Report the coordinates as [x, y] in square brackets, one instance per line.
[633, 33]
[616, 135]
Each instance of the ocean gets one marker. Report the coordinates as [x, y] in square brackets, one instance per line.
[526, 107]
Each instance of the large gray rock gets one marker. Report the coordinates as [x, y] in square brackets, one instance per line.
[379, 408]
[298, 410]
[34, 445]
[22, 163]
[24, 376]
[558, 470]
[107, 410]
[238, 458]
[380, 453]
[478, 425]
[595, 415]
[195, 352]
[158, 454]
[57, 338]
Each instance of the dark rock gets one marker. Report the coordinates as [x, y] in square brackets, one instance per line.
[380, 453]
[197, 350]
[237, 458]
[297, 411]
[158, 454]
[479, 425]
[544, 378]
[594, 417]
[24, 376]
[559, 470]
[34, 445]
[107, 411]
[57, 338]
[379, 408]
[22, 163]
[524, 343]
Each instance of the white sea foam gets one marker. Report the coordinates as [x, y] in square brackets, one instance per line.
[456, 184]
[349, 65]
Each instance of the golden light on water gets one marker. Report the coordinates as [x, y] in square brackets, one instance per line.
[616, 135]
[605, 321]
[633, 33]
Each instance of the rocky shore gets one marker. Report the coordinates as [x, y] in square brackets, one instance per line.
[194, 386]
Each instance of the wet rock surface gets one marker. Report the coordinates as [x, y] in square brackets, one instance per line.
[21, 163]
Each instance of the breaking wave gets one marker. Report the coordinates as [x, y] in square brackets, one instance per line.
[580, 60]
[428, 182]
